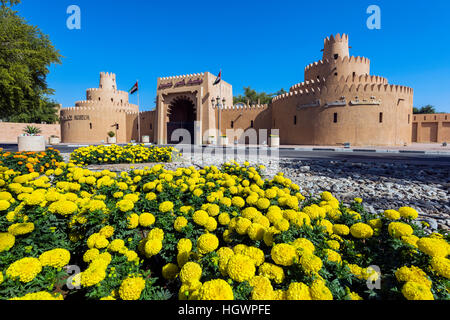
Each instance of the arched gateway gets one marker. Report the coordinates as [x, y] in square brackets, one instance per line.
[182, 115]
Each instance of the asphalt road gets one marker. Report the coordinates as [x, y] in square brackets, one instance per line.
[437, 160]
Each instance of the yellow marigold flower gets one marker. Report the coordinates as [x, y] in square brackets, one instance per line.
[91, 254]
[101, 242]
[361, 231]
[433, 247]
[19, 229]
[255, 253]
[224, 218]
[298, 291]
[272, 272]
[311, 263]
[441, 266]
[241, 268]
[25, 269]
[282, 225]
[333, 244]
[131, 255]
[411, 239]
[303, 245]
[414, 274]
[249, 213]
[333, 256]
[184, 245]
[211, 224]
[180, 223]
[107, 231]
[408, 213]
[327, 196]
[262, 288]
[392, 214]
[131, 288]
[56, 258]
[376, 223]
[319, 291]
[242, 225]
[341, 229]
[416, 291]
[207, 242]
[213, 210]
[263, 203]
[190, 273]
[40, 296]
[284, 254]
[166, 206]
[133, 221]
[216, 289]
[125, 205]
[200, 217]
[7, 241]
[238, 202]
[400, 229]
[256, 231]
[152, 247]
[170, 271]
[150, 196]
[4, 205]
[146, 219]
[354, 296]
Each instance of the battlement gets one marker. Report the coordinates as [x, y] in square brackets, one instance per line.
[367, 88]
[182, 76]
[338, 61]
[107, 81]
[245, 107]
[97, 109]
[333, 39]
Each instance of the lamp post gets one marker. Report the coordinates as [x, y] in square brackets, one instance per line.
[216, 103]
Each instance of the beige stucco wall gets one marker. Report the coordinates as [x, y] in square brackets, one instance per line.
[9, 131]
[431, 128]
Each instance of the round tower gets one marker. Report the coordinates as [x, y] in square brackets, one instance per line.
[336, 47]
[107, 81]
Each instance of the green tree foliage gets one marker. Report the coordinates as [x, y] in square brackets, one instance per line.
[253, 97]
[25, 57]
[428, 109]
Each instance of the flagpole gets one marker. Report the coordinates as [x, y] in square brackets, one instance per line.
[139, 115]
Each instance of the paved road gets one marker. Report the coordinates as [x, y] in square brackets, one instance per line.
[322, 154]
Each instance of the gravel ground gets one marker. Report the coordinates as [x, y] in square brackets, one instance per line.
[382, 185]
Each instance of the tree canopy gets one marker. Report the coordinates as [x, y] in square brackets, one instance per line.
[428, 109]
[25, 57]
[252, 97]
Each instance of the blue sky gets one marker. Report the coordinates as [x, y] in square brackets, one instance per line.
[262, 44]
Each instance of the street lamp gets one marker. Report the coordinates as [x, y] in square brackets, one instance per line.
[216, 103]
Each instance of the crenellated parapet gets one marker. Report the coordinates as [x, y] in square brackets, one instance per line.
[245, 107]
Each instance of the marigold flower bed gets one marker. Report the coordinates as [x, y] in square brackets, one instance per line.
[114, 154]
[205, 234]
[26, 162]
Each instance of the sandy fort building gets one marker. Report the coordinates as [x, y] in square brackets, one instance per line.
[338, 102]
[105, 109]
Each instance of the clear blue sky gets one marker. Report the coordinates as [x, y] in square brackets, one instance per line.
[262, 44]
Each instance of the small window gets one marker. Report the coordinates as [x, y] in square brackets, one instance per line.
[251, 124]
[295, 120]
[336, 56]
[232, 124]
[90, 125]
[354, 74]
[335, 120]
[435, 117]
[415, 118]
[445, 117]
[335, 74]
[409, 118]
[381, 117]
[98, 98]
[424, 118]
[151, 126]
[112, 100]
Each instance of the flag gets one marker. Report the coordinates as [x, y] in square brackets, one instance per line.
[134, 88]
[219, 78]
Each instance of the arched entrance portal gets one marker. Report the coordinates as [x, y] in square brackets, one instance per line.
[182, 115]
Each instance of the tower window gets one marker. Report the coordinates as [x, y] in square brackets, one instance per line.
[112, 100]
[335, 116]
[336, 56]
[424, 118]
[354, 74]
[98, 98]
[409, 118]
[381, 117]
[232, 124]
[151, 126]
[335, 74]
[251, 124]
[295, 120]
[90, 125]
